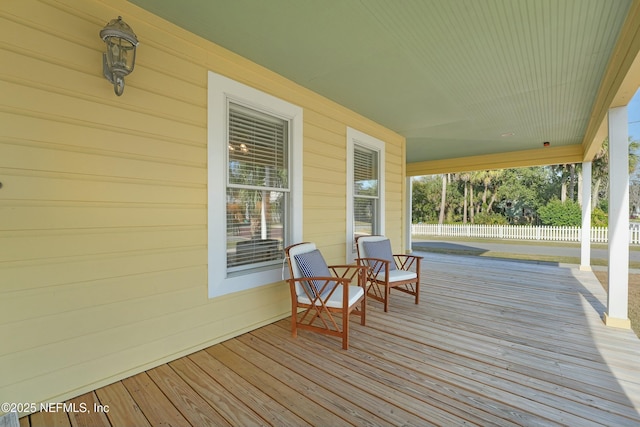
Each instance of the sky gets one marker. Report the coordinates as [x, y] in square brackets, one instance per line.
[633, 111]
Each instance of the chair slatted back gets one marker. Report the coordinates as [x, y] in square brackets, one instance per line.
[294, 268]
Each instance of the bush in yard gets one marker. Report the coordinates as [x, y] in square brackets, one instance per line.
[558, 214]
[599, 218]
[490, 219]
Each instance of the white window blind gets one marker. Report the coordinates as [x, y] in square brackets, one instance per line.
[257, 187]
[258, 154]
[365, 182]
[365, 172]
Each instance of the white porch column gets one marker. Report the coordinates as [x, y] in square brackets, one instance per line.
[585, 238]
[618, 297]
[408, 208]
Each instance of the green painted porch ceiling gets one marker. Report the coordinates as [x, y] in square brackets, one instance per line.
[456, 77]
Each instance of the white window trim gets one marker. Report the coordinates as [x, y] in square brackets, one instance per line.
[220, 90]
[355, 137]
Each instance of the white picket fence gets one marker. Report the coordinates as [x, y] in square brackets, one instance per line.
[519, 232]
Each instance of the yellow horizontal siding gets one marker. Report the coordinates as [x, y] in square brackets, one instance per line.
[58, 215]
[322, 121]
[58, 158]
[72, 296]
[62, 244]
[325, 191]
[324, 137]
[103, 238]
[43, 274]
[53, 186]
[35, 100]
[92, 138]
[29, 69]
[316, 163]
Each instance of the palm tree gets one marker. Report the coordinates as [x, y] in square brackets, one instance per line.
[465, 177]
[491, 179]
[474, 178]
[443, 198]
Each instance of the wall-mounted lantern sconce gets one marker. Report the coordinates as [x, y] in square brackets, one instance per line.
[120, 57]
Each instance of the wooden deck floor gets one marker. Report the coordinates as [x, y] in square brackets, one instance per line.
[491, 343]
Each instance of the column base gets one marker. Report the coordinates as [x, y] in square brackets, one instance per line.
[585, 268]
[616, 322]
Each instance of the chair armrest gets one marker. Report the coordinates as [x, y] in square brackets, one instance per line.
[372, 261]
[408, 256]
[351, 272]
[406, 262]
[375, 265]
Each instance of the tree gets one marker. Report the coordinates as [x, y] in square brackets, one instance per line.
[425, 199]
[580, 183]
[491, 180]
[465, 177]
[443, 200]
[572, 181]
[524, 190]
[566, 175]
[514, 193]
[600, 168]
[475, 178]
[600, 171]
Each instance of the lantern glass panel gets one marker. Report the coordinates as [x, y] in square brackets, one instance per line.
[120, 55]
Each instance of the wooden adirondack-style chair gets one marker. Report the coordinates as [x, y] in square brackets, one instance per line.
[323, 297]
[386, 271]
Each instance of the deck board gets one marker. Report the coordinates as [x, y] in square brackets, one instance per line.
[128, 413]
[85, 413]
[304, 406]
[157, 408]
[191, 405]
[329, 388]
[347, 385]
[234, 412]
[384, 375]
[504, 385]
[493, 342]
[247, 394]
[51, 419]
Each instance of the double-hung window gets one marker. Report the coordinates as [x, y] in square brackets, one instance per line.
[254, 185]
[365, 187]
[366, 194]
[257, 188]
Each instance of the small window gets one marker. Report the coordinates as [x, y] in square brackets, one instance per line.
[366, 196]
[365, 188]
